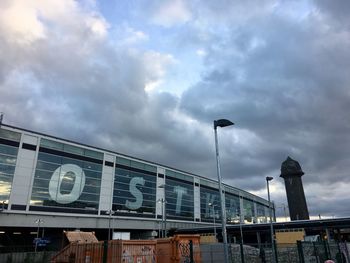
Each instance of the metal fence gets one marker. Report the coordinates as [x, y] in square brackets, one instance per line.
[183, 252]
[26, 257]
[302, 252]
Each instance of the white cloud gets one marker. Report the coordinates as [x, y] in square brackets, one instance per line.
[171, 13]
[156, 64]
[20, 23]
[201, 52]
[128, 36]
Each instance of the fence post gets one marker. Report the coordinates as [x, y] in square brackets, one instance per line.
[316, 252]
[242, 251]
[326, 249]
[105, 251]
[300, 251]
[276, 252]
[191, 252]
[340, 253]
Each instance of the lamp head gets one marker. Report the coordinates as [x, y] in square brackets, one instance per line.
[222, 123]
[269, 178]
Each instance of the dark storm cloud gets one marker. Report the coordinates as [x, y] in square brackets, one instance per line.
[285, 84]
[281, 78]
[85, 88]
[338, 10]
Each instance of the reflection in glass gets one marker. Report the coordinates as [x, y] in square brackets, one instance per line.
[209, 195]
[66, 180]
[8, 158]
[179, 199]
[134, 189]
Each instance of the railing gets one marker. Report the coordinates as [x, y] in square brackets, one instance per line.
[26, 256]
[179, 251]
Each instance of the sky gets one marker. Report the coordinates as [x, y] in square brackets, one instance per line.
[147, 78]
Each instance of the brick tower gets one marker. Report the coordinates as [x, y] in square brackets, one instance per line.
[291, 173]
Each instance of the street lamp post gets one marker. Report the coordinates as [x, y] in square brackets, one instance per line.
[221, 123]
[213, 210]
[110, 213]
[38, 222]
[269, 178]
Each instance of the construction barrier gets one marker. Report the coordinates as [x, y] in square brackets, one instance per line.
[180, 248]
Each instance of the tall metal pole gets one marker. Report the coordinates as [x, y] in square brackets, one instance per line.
[274, 260]
[222, 198]
[38, 221]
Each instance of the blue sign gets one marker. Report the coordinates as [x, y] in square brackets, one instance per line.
[41, 242]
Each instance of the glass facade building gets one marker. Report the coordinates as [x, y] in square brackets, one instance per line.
[9, 143]
[43, 174]
[134, 188]
[66, 176]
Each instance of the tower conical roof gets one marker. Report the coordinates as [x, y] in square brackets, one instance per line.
[291, 167]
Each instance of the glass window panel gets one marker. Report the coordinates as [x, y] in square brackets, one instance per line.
[5, 184]
[123, 161]
[41, 183]
[179, 198]
[46, 166]
[181, 176]
[6, 159]
[66, 187]
[261, 213]
[93, 174]
[151, 168]
[210, 196]
[10, 135]
[51, 144]
[7, 169]
[248, 212]
[40, 191]
[92, 182]
[209, 183]
[134, 191]
[93, 154]
[121, 172]
[137, 165]
[89, 197]
[232, 208]
[66, 160]
[70, 191]
[41, 174]
[91, 189]
[92, 166]
[50, 158]
[8, 150]
[73, 149]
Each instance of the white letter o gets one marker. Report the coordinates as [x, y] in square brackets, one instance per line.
[56, 181]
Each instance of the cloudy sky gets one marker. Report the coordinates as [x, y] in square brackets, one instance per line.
[148, 77]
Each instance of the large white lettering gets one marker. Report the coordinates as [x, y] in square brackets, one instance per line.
[70, 172]
[136, 193]
[180, 191]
